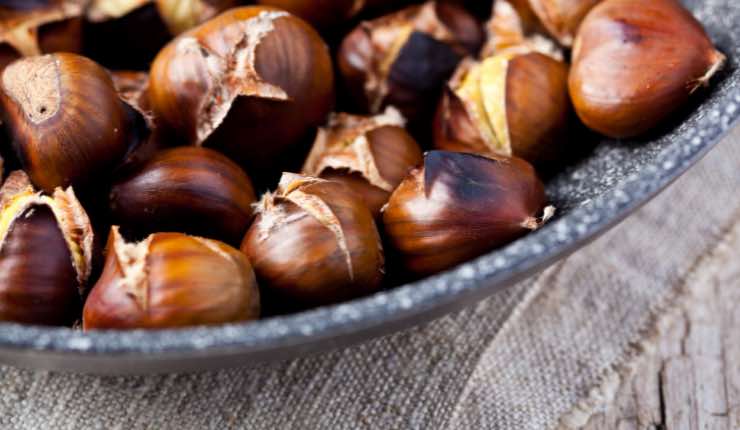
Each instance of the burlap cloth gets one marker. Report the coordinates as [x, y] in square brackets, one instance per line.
[544, 354]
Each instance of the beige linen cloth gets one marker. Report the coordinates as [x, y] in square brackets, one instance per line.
[544, 354]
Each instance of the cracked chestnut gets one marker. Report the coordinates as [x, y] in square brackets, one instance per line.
[323, 15]
[635, 63]
[459, 206]
[254, 82]
[182, 15]
[186, 189]
[171, 280]
[45, 253]
[369, 154]
[314, 242]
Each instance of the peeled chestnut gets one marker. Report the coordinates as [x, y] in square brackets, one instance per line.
[45, 253]
[252, 82]
[369, 154]
[181, 15]
[67, 123]
[34, 28]
[508, 104]
[322, 14]
[314, 242]
[459, 206]
[171, 280]
[186, 189]
[635, 63]
[123, 34]
[403, 59]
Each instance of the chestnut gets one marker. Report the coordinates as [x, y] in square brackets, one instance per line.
[123, 34]
[314, 242]
[171, 280]
[66, 121]
[514, 28]
[132, 86]
[403, 59]
[181, 15]
[252, 83]
[508, 104]
[45, 253]
[561, 18]
[186, 189]
[369, 154]
[635, 63]
[323, 15]
[459, 206]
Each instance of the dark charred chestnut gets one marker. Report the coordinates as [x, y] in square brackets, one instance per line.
[314, 242]
[45, 254]
[171, 280]
[459, 206]
[370, 155]
[187, 189]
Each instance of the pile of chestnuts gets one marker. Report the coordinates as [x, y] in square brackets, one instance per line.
[173, 163]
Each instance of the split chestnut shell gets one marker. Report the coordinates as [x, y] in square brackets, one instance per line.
[459, 206]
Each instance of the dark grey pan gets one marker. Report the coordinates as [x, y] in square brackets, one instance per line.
[592, 195]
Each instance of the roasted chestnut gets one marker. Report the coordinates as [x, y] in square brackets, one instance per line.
[171, 280]
[561, 18]
[45, 253]
[66, 121]
[323, 15]
[508, 104]
[370, 155]
[123, 34]
[514, 28]
[34, 28]
[314, 242]
[635, 63]
[403, 59]
[186, 189]
[181, 15]
[252, 82]
[458, 206]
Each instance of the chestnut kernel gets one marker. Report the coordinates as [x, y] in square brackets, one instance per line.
[514, 28]
[186, 189]
[403, 59]
[628, 74]
[459, 206]
[45, 253]
[508, 104]
[66, 121]
[171, 280]
[252, 83]
[561, 18]
[314, 242]
[369, 154]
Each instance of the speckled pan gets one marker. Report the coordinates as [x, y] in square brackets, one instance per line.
[592, 195]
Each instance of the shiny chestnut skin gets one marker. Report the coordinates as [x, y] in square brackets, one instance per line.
[369, 154]
[314, 242]
[459, 206]
[65, 118]
[629, 74]
[186, 189]
[404, 58]
[182, 15]
[171, 280]
[508, 104]
[254, 82]
[322, 14]
[33, 28]
[45, 254]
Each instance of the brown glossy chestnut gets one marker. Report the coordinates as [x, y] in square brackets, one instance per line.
[508, 104]
[314, 242]
[324, 14]
[186, 189]
[182, 15]
[123, 34]
[403, 59]
[635, 63]
[254, 82]
[459, 206]
[66, 121]
[369, 154]
[45, 253]
[34, 28]
[171, 280]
